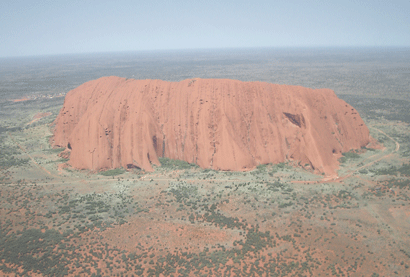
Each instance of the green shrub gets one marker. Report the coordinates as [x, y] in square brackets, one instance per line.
[175, 164]
[348, 156]
[113, 172]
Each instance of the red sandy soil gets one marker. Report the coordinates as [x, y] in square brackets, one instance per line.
[215, 123]
[21, 99]
[166, 235]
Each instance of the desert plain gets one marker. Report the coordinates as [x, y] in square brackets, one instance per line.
[180, 220]
[278, 220]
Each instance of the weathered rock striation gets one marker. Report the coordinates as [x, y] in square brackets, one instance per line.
[220, 124]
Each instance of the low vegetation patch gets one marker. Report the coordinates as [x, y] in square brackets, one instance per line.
[9, 156]
[348, 156]
[113, 172]
[175, 164]
[393, 170]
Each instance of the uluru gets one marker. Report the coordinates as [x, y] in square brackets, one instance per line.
[220, 124]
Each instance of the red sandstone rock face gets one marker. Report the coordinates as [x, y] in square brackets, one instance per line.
[219, 124]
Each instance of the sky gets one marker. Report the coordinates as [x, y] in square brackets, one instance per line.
[32, 28]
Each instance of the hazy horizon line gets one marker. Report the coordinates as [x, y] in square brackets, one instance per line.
[181, 50]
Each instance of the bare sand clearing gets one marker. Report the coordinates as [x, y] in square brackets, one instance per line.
[21, 99]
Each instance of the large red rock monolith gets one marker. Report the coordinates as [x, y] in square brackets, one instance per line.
[220, 124]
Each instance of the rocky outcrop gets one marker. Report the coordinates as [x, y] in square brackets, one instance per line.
[220, 124]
